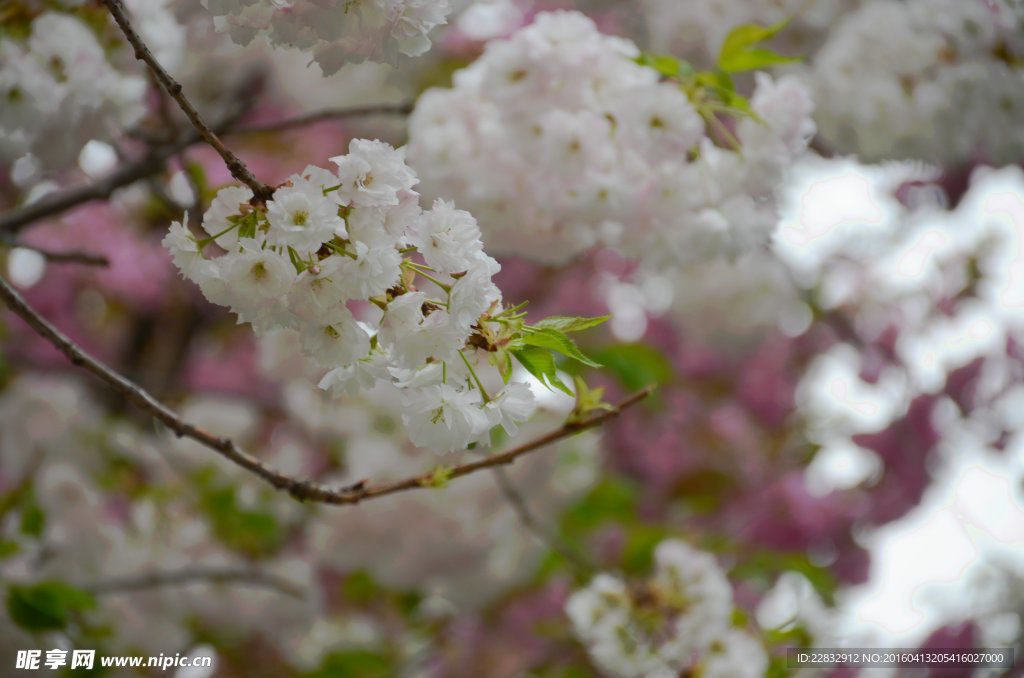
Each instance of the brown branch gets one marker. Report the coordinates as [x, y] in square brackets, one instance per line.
[55, 203]
[404, 108]
[62, 256]
[362, 490]
[195, 575]
[153, 162]
[303, 490]
[237, 168]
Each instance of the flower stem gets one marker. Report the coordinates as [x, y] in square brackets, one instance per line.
[483, 391]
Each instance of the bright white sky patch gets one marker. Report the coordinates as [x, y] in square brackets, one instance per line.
[830, 205]
[923, 564]
[926, 566]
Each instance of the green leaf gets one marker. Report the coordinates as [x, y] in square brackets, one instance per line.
[541, 365]
[588, 400]
[247, 225]
[766, 566]
[778, 667]
[753, 59]
[33, 520]
[746, 35]
[568, 324]
[794, 636]
[46, 606]
[638, 551]
[666, 65]
[613, 499]
[360, 588]
[438, 478]
[8, 548]
[720, 83]
[636, 365]
[354, 662]
[553, 340]
[251, 531]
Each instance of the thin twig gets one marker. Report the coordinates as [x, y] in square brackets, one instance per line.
[195, 575]
[362, 491]
[303, 490]
[61, 256]
[153, 162]
[404, 108]
[547, 537]
[237, 168]
[55, 203]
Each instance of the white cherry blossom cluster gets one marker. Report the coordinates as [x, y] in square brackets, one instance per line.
[557, 140]
[331, 246]
[493, 550]
[58, 91]
[680, 621]
[939, 80]
[334, 31]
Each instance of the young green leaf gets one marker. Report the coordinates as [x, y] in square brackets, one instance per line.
[46, 606]
[588, 400]
[568, 324]
[541, 365]
[753, 59]
[553, 340]
[247, 225]
[32, 520]
[636, 365]
[746, 35]
[438, 478]
[666, 65]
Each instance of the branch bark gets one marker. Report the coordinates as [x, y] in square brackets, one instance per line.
[303, 490]
[238, 169]
[55, 203]
[62, 256]
[404, 108]
[151, 163]
[195, 575]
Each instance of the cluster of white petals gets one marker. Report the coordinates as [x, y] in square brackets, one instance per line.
[681, 619]
[334, 31]
[58, 91]
[557, 140]
[378, 289]
[936, 80]
[939, 80]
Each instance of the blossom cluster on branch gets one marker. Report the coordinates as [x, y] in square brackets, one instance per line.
[678, 620]
[937, 80]
[558, 140]
[887, 78]
[358, 237]
[58, 91]
[337, 31]
[380, 324]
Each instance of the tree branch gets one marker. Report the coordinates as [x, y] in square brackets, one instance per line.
[61, 256]
[55, 203]
[303, 490]
[404, 108]
[238, 169]
[154, 161]
[195, 575]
